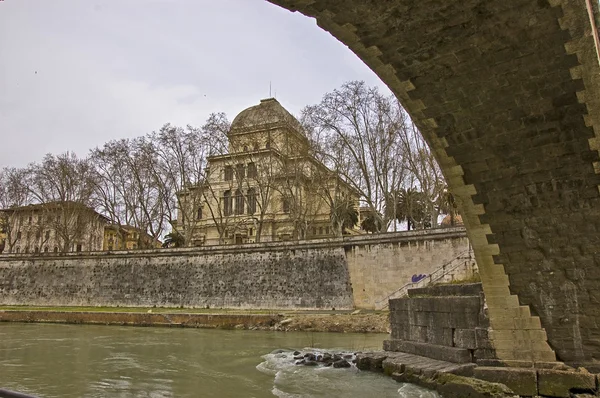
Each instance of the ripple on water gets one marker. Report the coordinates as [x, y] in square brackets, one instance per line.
[291, 380]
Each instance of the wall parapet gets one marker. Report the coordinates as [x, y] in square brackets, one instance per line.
[350, 241]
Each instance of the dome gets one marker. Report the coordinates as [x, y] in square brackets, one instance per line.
[269, 112]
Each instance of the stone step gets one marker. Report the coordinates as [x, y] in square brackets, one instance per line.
[468, 289]
[433, 351]
[400, 362]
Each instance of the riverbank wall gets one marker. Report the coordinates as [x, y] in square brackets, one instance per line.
[344, 273]
[216, 321]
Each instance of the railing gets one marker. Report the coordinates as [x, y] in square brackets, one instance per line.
[12, 394]
[459, 261]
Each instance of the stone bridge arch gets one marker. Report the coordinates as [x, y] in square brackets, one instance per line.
[507, 95]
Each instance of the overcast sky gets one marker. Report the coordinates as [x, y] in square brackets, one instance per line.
[75, 74]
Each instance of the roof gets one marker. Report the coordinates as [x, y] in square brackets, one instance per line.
[266, 114]
[54, 205]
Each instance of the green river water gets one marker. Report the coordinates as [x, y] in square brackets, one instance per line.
[133, 362]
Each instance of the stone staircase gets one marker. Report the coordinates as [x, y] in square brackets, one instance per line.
[443, 274]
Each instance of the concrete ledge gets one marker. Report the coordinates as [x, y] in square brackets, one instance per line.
[442, 353]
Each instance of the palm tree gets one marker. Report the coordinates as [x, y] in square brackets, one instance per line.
[411, 206]
[173, 239]
[371, 223]
[343, 215]
[447, 205]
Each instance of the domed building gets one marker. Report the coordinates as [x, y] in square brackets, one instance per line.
[266, 187]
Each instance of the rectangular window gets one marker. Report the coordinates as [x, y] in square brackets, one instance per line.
[78, 247]
[227, 205]
[228, 173]
[251, 201]
[285, 204]
[252, 170]
[240, 171]
[239, 202]
[47, 234]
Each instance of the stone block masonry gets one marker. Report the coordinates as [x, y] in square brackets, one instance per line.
[228, 278]
[446, 323]
[380, 267]
[507, 95]
[318, 274]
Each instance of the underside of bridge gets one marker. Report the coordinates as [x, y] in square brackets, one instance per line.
[507, 95]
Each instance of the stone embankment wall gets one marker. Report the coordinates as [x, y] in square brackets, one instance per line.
[319, 274]
[380, 269]
[442, 322]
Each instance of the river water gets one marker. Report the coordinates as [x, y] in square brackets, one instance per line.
[133, 362]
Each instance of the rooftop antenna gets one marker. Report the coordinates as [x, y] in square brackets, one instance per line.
[269, 89]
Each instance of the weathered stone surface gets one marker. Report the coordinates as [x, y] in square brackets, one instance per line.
[507, 95]
[309, 274]
[253, 277]
[465, 338]
[556, 383]
[521, 381]
[454, 386]
[468, 289]
[457, 322]
[372, 361]
[449, 354]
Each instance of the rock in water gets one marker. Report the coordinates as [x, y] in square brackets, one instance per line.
[342, 363]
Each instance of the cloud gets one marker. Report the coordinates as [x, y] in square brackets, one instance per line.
[76, 74]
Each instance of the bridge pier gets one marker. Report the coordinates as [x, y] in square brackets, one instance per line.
[507, 94]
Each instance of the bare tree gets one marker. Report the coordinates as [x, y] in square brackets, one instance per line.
[127, 188]
[63, 186]
[357, 133]
[13, 193]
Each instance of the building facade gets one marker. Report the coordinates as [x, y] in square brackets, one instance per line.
[126, 237]
[266, 187]
[55, 227]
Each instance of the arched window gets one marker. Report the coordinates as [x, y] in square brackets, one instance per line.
[37, 249]
[251, 170]
[251, 199]
[46, 249]
[239, 202]
[227, 203]
[18, 249]
[199, 213]
[55, 249]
